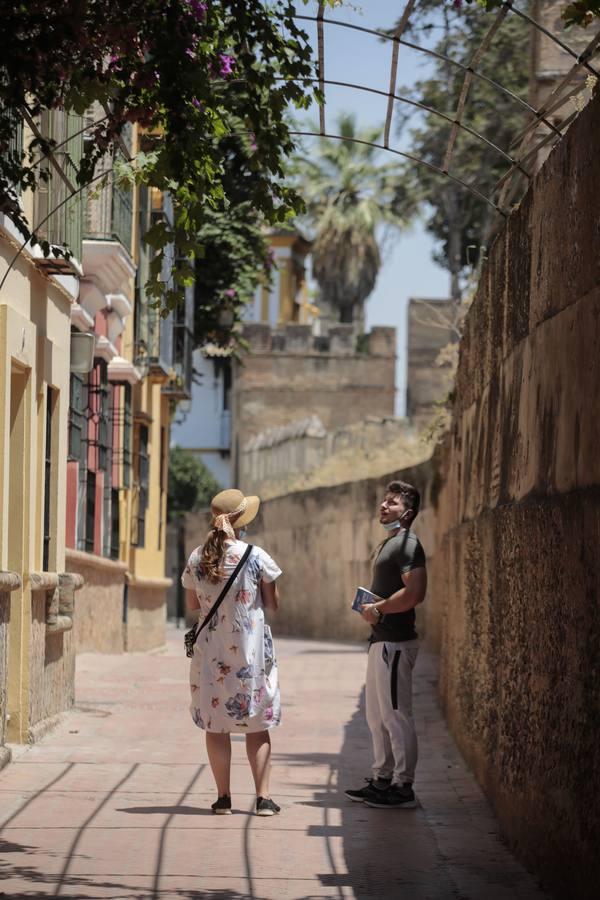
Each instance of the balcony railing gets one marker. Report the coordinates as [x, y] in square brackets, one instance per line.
[15, 144]
[180, 387]
[55, 220]
[109, 213]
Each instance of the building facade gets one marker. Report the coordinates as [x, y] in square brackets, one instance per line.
[83, 447]
[204, 425]
[36, 590]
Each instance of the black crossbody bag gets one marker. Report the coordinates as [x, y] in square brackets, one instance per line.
[191, 636]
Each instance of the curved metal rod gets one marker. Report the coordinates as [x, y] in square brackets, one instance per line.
[425, 108]
[321, 62]
[548, 107]
[336, 137]
[579, 57]
[415, 159]
[466, 86]
[532, 152]
[41, 159]
[394, 69]
[440, 56]
[45, 219]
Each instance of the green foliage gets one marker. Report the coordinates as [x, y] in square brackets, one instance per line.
[462, 223]
[191, 485]
[191, 74]
[349, 190]
[581, 12]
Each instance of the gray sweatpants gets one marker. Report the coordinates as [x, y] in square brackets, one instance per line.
[389, 709]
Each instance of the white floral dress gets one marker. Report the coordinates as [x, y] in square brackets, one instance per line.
[233, 672]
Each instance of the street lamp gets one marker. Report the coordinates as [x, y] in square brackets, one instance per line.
[82, 351]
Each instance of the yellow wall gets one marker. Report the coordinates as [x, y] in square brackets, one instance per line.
[34, 353]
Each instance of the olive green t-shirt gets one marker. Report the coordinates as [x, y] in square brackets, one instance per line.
[400, 553]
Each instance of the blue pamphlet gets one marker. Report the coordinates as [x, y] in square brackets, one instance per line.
[363, 596]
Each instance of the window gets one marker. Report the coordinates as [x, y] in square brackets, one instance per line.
[77, 418]
[47, 480]
[163, 450]
[114, 531]
[90, 511]
[103, 407]
[127, 430]
[143, 466]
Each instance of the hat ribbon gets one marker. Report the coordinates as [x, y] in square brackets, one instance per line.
[222, 522]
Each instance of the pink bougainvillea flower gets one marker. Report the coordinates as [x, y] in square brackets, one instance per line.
[226, 64]
[198, 8]
[230, 292]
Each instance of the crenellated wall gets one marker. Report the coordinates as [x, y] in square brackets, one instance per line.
[289, 374]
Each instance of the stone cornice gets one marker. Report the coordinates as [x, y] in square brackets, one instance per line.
[122, 370]
[76, 558]
[9, 581]
[147, 583]
[105, 349]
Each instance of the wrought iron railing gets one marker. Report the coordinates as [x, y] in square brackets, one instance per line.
[64, 226]
[182, 358]
[109, 213]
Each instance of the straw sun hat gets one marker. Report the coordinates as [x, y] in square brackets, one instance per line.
[231, 509]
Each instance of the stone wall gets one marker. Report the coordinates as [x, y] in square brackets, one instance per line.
[431, 326]
[146, 613]
[511, 528]
[98, 619]
[323, 540]
[290, 374]
[52, 671]
[9, 581]
[304, 454]
[518, 622]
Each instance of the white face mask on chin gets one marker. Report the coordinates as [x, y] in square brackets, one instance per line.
[391, 526]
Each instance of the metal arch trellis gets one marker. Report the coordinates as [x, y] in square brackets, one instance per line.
[525, 138]
[539, 116]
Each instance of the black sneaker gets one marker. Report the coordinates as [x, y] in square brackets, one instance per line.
[222, 806]
[266, 807]
[373, 788]
[395, 797]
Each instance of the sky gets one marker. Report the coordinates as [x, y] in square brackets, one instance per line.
[408, 269]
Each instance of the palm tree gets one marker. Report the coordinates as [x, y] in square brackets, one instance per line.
[351, 201]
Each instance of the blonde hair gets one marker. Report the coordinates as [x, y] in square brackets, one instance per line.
[213, 551]
[213, 554]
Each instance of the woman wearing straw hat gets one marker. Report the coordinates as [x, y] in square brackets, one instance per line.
[233, 672]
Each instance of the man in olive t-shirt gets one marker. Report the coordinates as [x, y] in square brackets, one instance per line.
[400, 579]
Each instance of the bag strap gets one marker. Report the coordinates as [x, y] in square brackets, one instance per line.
[221, 596]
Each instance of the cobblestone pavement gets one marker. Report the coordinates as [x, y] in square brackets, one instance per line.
[114, 802]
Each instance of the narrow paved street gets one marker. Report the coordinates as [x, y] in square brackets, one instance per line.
[115, 802]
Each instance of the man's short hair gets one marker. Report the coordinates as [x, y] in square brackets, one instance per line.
[410, 495]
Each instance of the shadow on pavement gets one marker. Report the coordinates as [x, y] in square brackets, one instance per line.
[387, 853]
